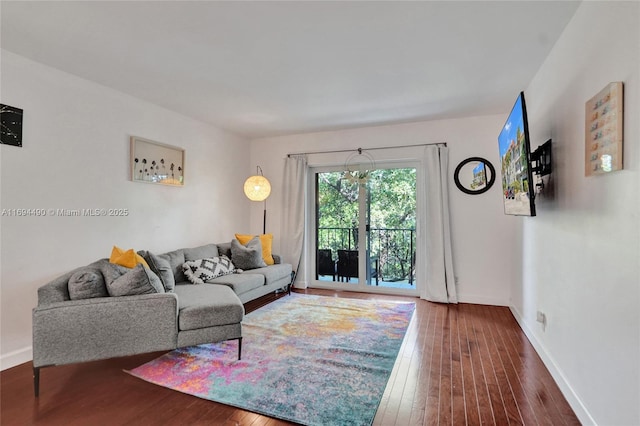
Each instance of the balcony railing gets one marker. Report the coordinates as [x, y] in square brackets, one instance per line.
[393, 248]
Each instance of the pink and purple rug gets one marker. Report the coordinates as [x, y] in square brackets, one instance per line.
[307, 359]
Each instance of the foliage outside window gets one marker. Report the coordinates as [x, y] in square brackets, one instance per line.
[392, 213]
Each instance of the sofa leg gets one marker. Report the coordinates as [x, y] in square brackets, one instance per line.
[36, 381]
[239, 348]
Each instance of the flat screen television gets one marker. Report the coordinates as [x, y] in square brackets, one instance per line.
[517, 184]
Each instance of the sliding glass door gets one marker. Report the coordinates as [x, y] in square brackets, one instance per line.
[365, 229]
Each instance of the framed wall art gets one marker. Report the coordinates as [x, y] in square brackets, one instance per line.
[10, 125]
[603, 131]
[155, 162]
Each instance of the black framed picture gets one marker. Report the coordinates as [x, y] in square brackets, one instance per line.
[11, 125]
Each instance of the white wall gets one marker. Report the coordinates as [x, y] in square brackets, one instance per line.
[76, 155]
[482, 242]
[581, 255]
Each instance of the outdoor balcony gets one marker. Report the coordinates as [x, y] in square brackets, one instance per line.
[391, 260]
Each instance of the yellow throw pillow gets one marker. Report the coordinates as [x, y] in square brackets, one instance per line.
[128, 258]
[266, 240]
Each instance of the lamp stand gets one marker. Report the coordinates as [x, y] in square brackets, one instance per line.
[264, 218]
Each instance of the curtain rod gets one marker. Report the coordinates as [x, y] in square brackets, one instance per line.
[365, 149]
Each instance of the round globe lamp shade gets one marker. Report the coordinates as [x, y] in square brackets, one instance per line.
[257, 188]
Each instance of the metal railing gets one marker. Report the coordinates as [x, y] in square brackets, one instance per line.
[394, 249]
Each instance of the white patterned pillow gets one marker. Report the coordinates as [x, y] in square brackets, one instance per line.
[202, 270]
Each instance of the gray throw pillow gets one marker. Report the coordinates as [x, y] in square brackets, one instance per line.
[87, 283]
[110, 271]
[139, 280]
[249, 256]
[175, 259]
[162, 268]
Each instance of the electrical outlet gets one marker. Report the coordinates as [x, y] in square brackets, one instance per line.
[541, 317]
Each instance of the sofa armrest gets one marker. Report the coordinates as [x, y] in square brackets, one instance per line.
[105, 327]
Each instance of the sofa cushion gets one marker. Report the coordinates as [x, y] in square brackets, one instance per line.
[175, 259]
[203, 252]
[224, 249]
[201, 270]
[247, 256]
[272, 273]
[240, 283]
[266, 240]
[162, 268]
[87, 283]
[207, 305]
[139, 280]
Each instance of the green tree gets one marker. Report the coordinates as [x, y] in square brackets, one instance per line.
[506, 160]
[516, 186]
[337, 200]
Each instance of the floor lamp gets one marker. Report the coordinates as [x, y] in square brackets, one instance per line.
[258, 188]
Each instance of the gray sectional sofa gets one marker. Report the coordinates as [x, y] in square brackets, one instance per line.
[156, 308]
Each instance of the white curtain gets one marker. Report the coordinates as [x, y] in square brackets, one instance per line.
[440, 282]
[293, 209]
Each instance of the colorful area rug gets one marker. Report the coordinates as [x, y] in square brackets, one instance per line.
[313, 360]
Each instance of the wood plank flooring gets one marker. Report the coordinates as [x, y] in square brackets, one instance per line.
[459, 365]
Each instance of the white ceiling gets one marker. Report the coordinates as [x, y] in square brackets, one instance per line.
[271, 68]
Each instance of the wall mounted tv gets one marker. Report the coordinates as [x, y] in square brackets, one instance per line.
[517, 184]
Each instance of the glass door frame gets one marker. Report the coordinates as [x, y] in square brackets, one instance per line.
[311, 244]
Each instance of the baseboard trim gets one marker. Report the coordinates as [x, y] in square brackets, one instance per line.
[572, 398]
[481, 300]
[16, 358]
[300, 284]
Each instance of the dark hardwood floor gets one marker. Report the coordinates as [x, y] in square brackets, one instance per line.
[459, 364]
